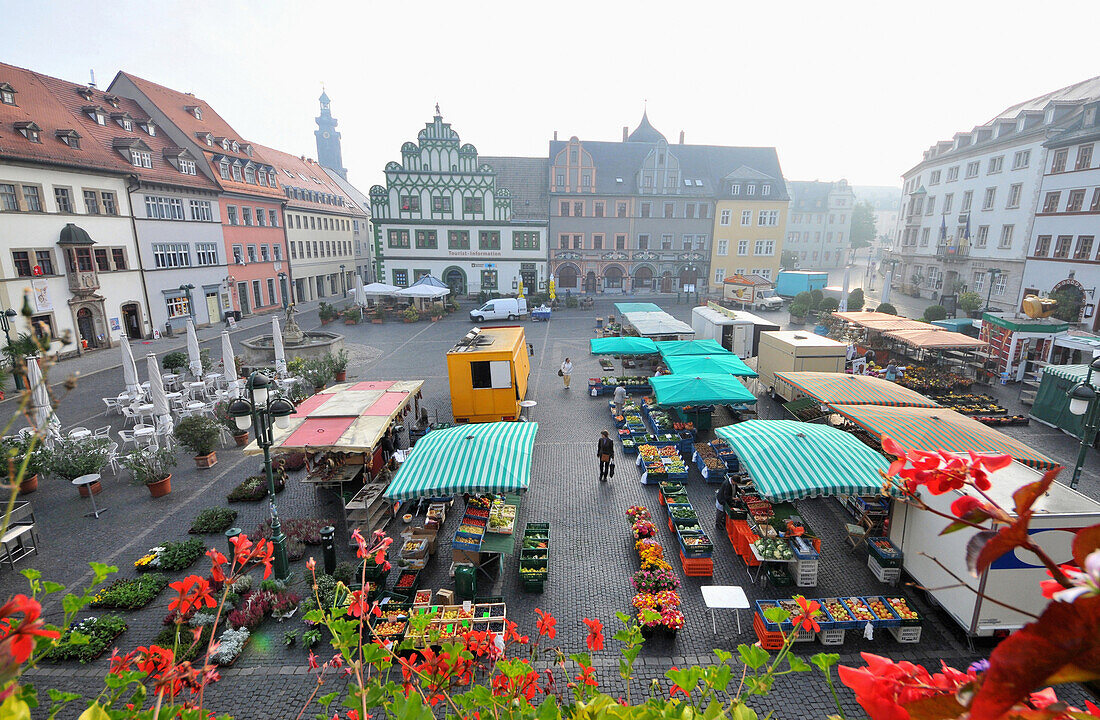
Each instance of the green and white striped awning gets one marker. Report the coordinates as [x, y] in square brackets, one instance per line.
[788, 460]
[473, 458]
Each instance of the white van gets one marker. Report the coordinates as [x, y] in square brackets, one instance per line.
[499, 309]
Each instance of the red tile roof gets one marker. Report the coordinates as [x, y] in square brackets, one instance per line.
[307, 174]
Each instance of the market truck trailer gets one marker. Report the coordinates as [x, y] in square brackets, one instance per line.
[791, 282]
[735, 330]
[791, 351]
[1014, 577]
[488, 370]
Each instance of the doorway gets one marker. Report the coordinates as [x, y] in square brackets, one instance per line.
[85, 325]
[242, 296]
[666, 282]
[131, 320]
[213, 306]
[455, 279]
[590, 282]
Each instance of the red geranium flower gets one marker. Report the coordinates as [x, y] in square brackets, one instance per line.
[587, 676]
[192, 592]
[805, 618]
[17, 639]
[546, 623]
[595, 634]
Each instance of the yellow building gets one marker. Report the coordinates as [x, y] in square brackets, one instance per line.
[750, 221]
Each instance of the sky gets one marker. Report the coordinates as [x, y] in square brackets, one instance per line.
[854, 90]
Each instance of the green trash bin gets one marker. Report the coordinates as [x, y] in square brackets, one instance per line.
[466, 582]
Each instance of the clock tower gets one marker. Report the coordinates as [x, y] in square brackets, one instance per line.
[328, 139]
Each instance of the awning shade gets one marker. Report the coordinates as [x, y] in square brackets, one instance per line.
[377, 288]
[897, 324]
[625, 307]
[650, 324]
[859, 317]
[680, 390]
[475, 458]
[622, 346]
[933, 429]
[844, 389]
[937, 339]
[788, 460]
[728, 364]
[1052, 401]
[707, 346]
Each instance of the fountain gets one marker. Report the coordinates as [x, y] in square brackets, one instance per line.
[260, 351]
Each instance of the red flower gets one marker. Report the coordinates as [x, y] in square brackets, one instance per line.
[940, 471]
[313, 664]
[963, 505]
[595, 634]
[358, 604]
[884, 687]
[18, 639]
[546, 624]
[805, 618]
[357, 536]
[587, 676]
[217, 562]
[192, 592]
[512, 635]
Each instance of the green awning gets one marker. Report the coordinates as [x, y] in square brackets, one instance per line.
[474, 458]
[728, 364]
[680, 390]
[788, 460]
[622, 346]
[625, 307]
[1051, 404]
[669, 348]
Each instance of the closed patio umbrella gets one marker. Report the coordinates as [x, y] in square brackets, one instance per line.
[194, 360]
[158, 397]
[280, 351]
[360, 296]
[129, 367]
[45, 421]
[229, 363]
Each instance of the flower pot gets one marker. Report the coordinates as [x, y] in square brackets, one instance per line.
[341, 376]
[90, 489]
[160, 488]
[29, 484]
[376, 321]
[206, 461]
[409, 320]
[241, 439]
[325, 322]
[351, 322]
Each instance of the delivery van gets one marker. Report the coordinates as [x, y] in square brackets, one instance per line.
[488, 371]
[500, 309]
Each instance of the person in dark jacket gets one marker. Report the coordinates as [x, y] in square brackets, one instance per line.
[605, 450]
[723, 496]
[387, 445]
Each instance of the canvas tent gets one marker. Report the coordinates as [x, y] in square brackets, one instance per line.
[727, 363]
[1051, 405]
[683, 390]
[622, 346]
[845, 389]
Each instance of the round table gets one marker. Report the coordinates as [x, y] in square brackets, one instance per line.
[87, 480]
[80, 434]
[173, 396]
[195, 388]
[527, 405]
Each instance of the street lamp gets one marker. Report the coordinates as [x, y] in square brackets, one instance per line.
[283, 288]
[5, 323]
[1082, 402]
[186, 288]
[993, 273]
[259, 411]
[344, 280]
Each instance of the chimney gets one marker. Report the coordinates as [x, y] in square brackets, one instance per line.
[625, 131]
[92, 83]
[555, 136]
[681, 137]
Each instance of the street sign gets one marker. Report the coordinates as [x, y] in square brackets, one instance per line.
[37, 270]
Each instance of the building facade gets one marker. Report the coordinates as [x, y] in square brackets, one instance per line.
[362, 236]
[750, 225]
[445, 212]
[819, 226]
[968, 207]
[639, 215]
[1063, 257]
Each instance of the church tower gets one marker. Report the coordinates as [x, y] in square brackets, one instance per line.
[328, 140]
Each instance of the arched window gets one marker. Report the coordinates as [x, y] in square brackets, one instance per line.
[567, 277]
[643, 277]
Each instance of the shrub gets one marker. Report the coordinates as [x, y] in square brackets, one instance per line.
[799, 309]
[199, 434]
[326, 311]
[887, 308]
[230, 645]
[305, 530]
[343, 572]
[213, 520]
[437, 309]
[571, 302]
[130, 593]
[174, 361]
[15, 447]
[935, 312]
[149, 465]
[311, 638]
[410, 313]
[290, 637]
[70, 459]
[353, 314]
[252, 610]
[829, 305]
[855, 300]
[804, 298]
[816, 298]
[338, 361]
[970, 301]
[177, 556]
[254, 487]
[98, 634]
[316, 372]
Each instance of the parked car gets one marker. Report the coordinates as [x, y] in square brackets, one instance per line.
[500, 308]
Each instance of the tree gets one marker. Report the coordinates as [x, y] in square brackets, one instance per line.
[855, 300]
[1069, 303]
[970, 301]
[788, 260]
[935, 312]
[863, 225]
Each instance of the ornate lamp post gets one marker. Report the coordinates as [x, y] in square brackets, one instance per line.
[283, 287]
[5, 324]
[259, 411]
[1082, 402]
[344, 279]
[993, 273]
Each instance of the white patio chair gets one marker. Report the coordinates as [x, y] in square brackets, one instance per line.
[112, 405]
[129, 415]
[127, 438]
[78, 431]
[102, 432]
[112, 459]
[145, 413]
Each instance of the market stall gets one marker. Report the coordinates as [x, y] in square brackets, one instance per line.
[724, 364]
[845, 389]
[937, 344]
[706, 346]
[1013, 340]
[694, 395]
[657, 325]
[735, 330]
[622, 346]
[790, 351]
[1051, 405]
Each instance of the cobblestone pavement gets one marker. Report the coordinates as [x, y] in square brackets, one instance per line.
[592, 556]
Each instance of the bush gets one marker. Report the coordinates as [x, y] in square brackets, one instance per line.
[213, 520]
[254, 487]
[571, 302]
[98, 635]
[829, 305]
[934, 312]
[149, 465]
[804, 298]
[305, 530]
[174, 361]
[326, 311]
[799, 309]
[130, 593]
[70, 459]
[178, 556]
[410, 314]
[15, 447]
[316, 372]
[230, 645]
[199, 434]
[338, 361]
[887, 308]
[343, 572]
[855, 300]
[437, 309]
[970, 301]
[353, 314]
[816, 298]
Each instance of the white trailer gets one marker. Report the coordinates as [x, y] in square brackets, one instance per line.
[1013, 578]
[735, 330]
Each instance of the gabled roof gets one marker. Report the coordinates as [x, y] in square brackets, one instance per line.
[747, 173]
[810, 196]
[306, 173]
[528, 180]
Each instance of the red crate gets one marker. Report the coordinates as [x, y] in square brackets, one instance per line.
[697, 567]
[768, 640]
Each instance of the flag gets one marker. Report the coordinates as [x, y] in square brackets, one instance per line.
[966, 229]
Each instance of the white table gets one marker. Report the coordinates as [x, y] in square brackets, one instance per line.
[764, 561]
[527, 405]
[80, 434]
[725, 597]
[195, 389]
[88, 480]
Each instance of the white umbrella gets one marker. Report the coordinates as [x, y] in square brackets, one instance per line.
[280, 351]
[229, 364]
[360, 296]
[377, 288]
[194, 360]
[45, 421]
[158, 397]
[129, 367]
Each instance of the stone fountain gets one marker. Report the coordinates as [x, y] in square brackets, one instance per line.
[260, 350]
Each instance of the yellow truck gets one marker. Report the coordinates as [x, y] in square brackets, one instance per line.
[488, 370]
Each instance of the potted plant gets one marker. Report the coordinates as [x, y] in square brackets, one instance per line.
[352, 316]
[316, 372]
[151, 467]
[377, 315]
[410, 314]
[798, 312]
[970, 302]
[326, 312]
[18, 448]
[221, 414]
[174, 361]
[199, 434]
[436, 311]
[70, 459]
[451, 306]
[338, 363]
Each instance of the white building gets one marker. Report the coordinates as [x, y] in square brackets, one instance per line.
[819, 223]
[1063, 256]
[968, 206]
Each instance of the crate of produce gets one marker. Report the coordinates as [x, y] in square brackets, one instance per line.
[697, 567]
[859, 611]
[681, 512]
[774, 549]
[407, 583]
[695, 545]
[416, 549]
[888, 575]
[803, 548]
[841, 616]
[629, 446]
[778, 576]
[769, 640]
[906, 634]
[831, 636]
[904, 610]
[533, 528]
[884, 552]
[884, 614]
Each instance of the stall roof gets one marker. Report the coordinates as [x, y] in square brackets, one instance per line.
[622, 346]
[845, 389]
[703, 389]
[897, 323]
[657, 323]
[861, 316]
[954, 324]
[474, 458]
[936, 339]
[727, 363]
[707, 346]
[1042, 326]
[933, 429]
[625, 307]
[788, 460]
[350, 417]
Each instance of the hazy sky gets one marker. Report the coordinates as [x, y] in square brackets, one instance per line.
[845, 89]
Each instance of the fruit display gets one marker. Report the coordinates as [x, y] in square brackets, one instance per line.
[470, 529]
[390, 629]
[669, 452]
[837, 609]
[669, 487]
[900, 606]
[406, 580]
[705, 450]
[859, 608]
[422, 597]
[502, 518]
[696, 541]
[1002, 420]
[881, 609]
[649, 453]
[885, 548]
[774, 549]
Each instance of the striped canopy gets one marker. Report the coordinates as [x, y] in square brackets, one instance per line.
[788, 460]
[728, 364]
[859, 317]
[898, 324]
[475, 458]
[936, 339]
[844, 389]
[706, 346]
[703, 389]
[622, 346]
[933, 429]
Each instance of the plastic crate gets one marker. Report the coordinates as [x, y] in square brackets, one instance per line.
[778, 576]
[534, 585]
[911, 622]
[885, 558]
[806, 573]
[892, 621]
[697, 567]
[831, 636]
[694, 552]
[888, 575]
[769, 640]
[906, 634]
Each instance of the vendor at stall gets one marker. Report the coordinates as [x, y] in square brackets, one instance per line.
[723, 496]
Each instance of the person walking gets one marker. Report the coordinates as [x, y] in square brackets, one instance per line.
[565, 372]
[605, 450]
[620, 399]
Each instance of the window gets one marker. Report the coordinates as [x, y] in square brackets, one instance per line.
[426, 240]
[689, 210]
[1061, 246]
[765, 247]
[563, 208]
[399, 239]
[620, 210]
[972, 169]
[968, 197]
[1084, 157]
[719, 274]
[64, 199]
[488, 240]
[200, 210]
[237, 176]
[724, 218]
[578, 209]
[250, 175]
[1058, 164]
[563, 242]
[929, 209]
[620, 242]
[1076, 200]
[947, 200]
[746, 217]
[7, 96]
[401, 278]
[206, 253]
[586, 180]
[669, 210]
[982, 237]
[666, 242]
[766, 189]
[527, 240]
[934, 178]
[256, 297]
[1006, 236]
[1084, 248]
[735, 189]
[246, 216]
[298, 222]
[273, 218]
[750, 189]
[723, 247]
[1094, 206]
[102, 262]
[177, 306]
[223, 169]
[231, 214]
[187, 167]
[687, 241]
[990, 196]
[171, 255]
[559, 179]
[645, 210]
[952, 174]
[265, 254]
[995, 165]
[238, 254]
[1050, 203]
[251, 253]
[312, 223]
[22, 260]
[1021, 159]
[459, 240]
[44, 260]
[261, 217]
[32, 198]
[271, 291]
[9, 202]
[924, 234]
[742, 249]
[488, 279]
[1000, 284]
[597, 208]
[110, 207]
[472, 204]
[441, 203]
[768, 218]
[1042, 245]
[1014, 195]
[597, 242]
[578, 242]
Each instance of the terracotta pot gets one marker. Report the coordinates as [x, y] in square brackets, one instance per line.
[29, 485]
[342, 376]
[325, 322]
[351, 322]
[241, 439]
[94, 489]
[409, 320]
[376, 321]
[436, 318]
[206, 461]
[160, 488]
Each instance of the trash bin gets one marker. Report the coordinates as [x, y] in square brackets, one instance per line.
[466, 582]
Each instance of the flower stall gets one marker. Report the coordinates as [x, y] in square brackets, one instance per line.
[656, 600]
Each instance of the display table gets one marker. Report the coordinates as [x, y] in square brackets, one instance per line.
[491, 546]
[87, 481]
[725, 597]
[763, 561]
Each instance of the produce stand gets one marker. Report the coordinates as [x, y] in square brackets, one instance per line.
[476, 541]
[839, 614]
[656, 325]
[633, 384]
[696, 549]
[534, 556]
[844, 389]
[1010, 338]
[449, 622]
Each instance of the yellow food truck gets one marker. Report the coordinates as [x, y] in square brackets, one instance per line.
[488, 370]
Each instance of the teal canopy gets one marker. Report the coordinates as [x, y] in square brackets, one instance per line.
[708, 389]
[625, 307]
[475, 458]
[788, 460]
[668, 348]
[622, 346]
[728, 364]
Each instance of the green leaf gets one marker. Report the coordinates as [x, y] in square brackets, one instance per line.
[722, 655]
[743, 712]
[624, 668]
[753, 655]
[549, 710]
[581, 658]
[776, 615]
[95, 711]
[824, 661]
[49, 587]
[71, 603]
[631, 653]
[79, 638]
[14, 708]
[721, 675]
[101, 571]
[31, 574]
[797, 664]
[685, 679]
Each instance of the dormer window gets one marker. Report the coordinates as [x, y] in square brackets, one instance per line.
[766, 189]
[84, 92]
[7, 94]
[111, 100]
[150, 128]
[141, 158]
[223, 169]
[248, 150]
[261, 178]
[209, 141]
[70, 138]
[735, 189]
[237, 173]
[236, 147]
[250, 175]
[96, 114]
[271, 178]
[288, 173]
[29, 130]
[187, 167]
[125, 123]
[196, 111]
